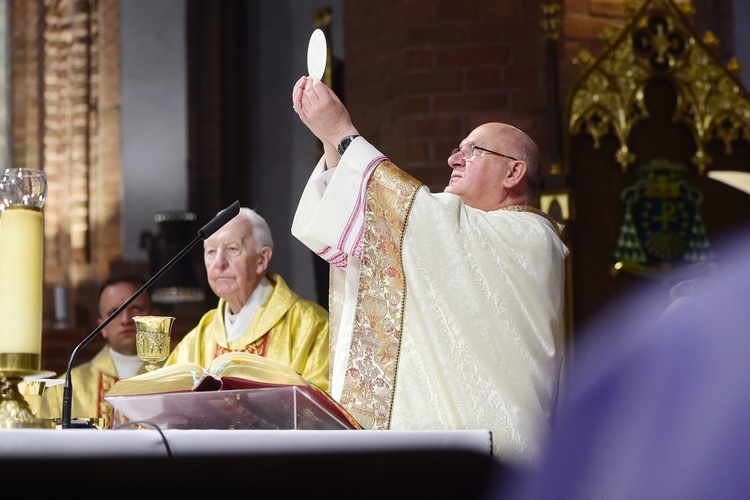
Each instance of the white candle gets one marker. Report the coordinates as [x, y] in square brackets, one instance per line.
[21, 264]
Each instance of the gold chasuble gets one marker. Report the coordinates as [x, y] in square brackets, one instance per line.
[286, 328]
[91, 382]
[442, 316]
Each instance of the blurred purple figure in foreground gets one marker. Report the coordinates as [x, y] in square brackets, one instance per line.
[658, 408]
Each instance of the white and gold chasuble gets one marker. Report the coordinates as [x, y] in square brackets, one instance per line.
[442, 316]
[91, 382]
[286, 328]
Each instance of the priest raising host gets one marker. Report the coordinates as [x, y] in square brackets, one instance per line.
[446, 309]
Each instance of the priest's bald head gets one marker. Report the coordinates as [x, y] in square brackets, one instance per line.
[496, 166]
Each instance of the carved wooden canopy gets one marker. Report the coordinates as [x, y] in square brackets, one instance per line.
[609, 97]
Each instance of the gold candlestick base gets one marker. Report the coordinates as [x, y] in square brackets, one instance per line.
[15, 411]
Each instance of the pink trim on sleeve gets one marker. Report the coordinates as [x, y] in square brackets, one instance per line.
[357, 217]
[334, 257]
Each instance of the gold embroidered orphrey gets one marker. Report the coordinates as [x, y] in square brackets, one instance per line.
[370, 378]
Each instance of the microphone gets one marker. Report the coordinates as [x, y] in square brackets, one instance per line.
[206, 231]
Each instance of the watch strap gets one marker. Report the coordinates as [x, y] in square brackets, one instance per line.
[345, 143]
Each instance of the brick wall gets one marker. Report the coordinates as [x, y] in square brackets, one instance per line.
[421, 74]
[65, 119]
[25, 84]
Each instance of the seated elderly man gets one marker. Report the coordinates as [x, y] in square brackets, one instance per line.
[257, 312]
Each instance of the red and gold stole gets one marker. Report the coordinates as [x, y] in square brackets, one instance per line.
[259, 347]
[104, 409]
[370, 378]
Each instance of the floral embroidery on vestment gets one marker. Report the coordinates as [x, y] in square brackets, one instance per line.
[370, 378]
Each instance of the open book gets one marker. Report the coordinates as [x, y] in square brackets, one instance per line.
[237, 390]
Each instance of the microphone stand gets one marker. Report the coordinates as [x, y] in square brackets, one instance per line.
[214, 225]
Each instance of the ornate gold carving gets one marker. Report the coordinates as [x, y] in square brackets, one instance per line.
[688, 10]
[734, 66]
[609, 99]
[710, 40]
[631, 6]
[607, 35]
[551, 22]
[557, 201]
[658, 41]
[584, 59]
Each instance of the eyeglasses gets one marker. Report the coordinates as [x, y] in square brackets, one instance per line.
[467, 151]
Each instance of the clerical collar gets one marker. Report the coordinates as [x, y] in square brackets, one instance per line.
[236, 325]
[126, 365]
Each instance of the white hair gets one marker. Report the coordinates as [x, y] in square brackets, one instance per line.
[260, 230]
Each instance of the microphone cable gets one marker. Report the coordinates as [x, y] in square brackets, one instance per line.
[151, 424]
